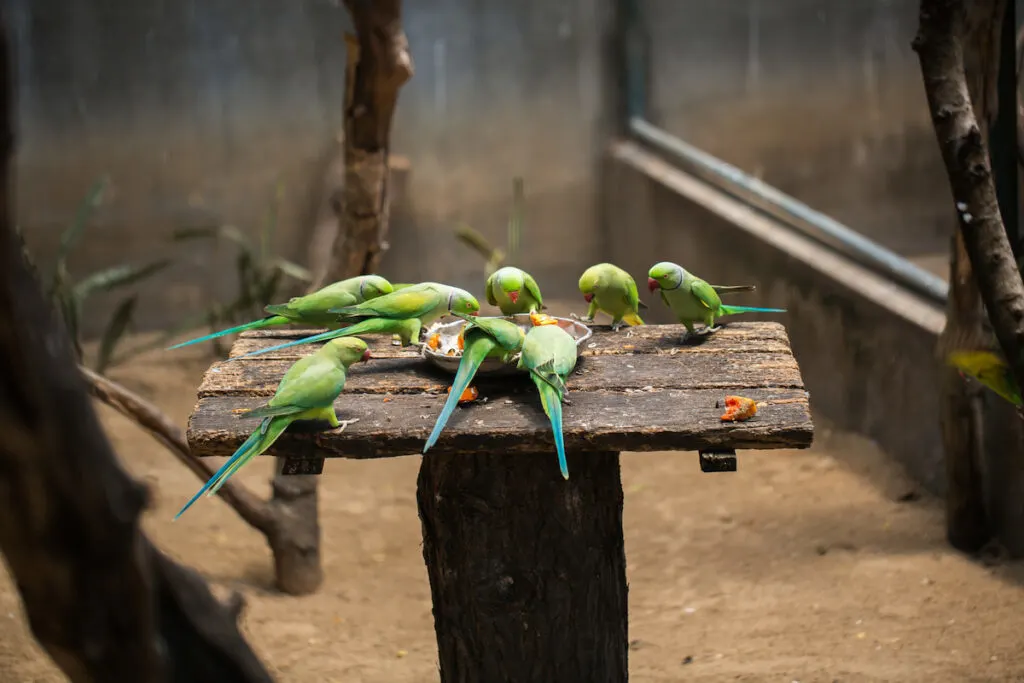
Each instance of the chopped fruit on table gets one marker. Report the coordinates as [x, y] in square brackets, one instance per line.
[470, 394]
[434, 341]
[739, 408]
[541, 319]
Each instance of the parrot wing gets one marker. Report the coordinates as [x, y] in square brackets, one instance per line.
[706, 294]
[632, 297]
[315, 304]
[489, 291]
[401, 305]
[312, 382]
[532, 288]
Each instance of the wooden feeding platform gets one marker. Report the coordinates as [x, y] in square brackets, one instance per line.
[527, 570]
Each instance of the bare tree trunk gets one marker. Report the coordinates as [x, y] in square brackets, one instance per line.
[378, 65]
[958, 47]
[102, 601]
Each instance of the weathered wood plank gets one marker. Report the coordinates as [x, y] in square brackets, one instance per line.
[728, 370]
[665, 419]
[740, 337]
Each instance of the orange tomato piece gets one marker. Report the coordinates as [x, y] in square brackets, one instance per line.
[739, 408]
[470, 394]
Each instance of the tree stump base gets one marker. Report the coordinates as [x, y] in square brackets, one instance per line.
[527, 570]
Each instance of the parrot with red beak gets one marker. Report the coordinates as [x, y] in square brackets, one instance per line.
[606, 287]
[513, 291]
[693, 300]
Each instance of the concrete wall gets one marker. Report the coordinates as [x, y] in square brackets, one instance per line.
[821, 98]
[195, 109]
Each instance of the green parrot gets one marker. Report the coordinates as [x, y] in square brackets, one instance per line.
[549, 353]
[990, 369]
[693, 300]
[311, 309]
[403, 313]
[608, 288]
[483, 338]
[513, 291]
[306, 392]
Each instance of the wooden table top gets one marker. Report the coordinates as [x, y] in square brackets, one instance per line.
[637, 389]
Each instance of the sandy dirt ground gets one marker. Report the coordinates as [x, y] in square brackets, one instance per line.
[803, 566]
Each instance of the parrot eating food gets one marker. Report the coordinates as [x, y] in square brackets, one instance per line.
[513, 291]
[484, 337]
[692, 299]
[402, 312]
[306, 392]
[311, 309]
[608, 288]
[550, 355]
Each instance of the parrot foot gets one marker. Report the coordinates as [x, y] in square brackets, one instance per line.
[342, 424]
[617, 326]
[710, 330]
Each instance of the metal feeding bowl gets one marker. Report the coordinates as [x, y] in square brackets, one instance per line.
[448, 355]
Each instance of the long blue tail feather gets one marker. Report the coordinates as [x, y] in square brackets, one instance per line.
[251, 325]
[472, 357]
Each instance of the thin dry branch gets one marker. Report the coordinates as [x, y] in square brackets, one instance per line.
[140, 411]
[939, 47]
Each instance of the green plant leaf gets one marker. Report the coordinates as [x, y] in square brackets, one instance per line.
[116, 328]
[117, 276]
[292, 270]
[270, 225]
[86, 207]
[268, 287]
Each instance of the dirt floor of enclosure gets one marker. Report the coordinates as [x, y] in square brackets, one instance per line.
[821, 565]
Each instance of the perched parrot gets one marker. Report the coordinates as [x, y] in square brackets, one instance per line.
[692, 299]
[513, 291]
[610, 289]
[402, 313]
[549, 353]
[483, 337]
[311, 309]
[306, 392]
[990, 369]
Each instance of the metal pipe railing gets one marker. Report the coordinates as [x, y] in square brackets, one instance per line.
[752, 190]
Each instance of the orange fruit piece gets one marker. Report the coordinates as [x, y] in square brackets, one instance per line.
[739, 408]
[538, 318]
[470, 394]
[434, 341]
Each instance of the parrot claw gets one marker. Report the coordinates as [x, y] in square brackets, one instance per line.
[711, 330]
[616, 327]
[342, 424]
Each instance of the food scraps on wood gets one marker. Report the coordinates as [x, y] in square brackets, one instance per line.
[470, 394]
[738, 408]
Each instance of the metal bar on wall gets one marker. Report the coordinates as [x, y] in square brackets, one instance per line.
[749, 189]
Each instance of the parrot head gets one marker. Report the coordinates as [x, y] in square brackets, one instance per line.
[373, 286]
[664, 275]
[511, 281]
[461, 301]
[348, 350]
[589, 281]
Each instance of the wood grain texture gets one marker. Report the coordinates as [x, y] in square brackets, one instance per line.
[632, 391]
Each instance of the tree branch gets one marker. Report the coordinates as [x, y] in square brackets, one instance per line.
[940, 50]
[140, 411]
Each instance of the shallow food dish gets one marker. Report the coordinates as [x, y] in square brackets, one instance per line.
[448, 343]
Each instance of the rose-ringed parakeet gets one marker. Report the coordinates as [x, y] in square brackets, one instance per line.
[311, 309]
[513, 291]
[691, 299]
[483, 338]
[608, 288]
[990, 369]
[403, 313]
[549, 354]
[307, 392]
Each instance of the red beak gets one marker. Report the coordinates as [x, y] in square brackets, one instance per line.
[652, 284]
[366, 355]
[514, 296]
[588, 297]
[475, 313]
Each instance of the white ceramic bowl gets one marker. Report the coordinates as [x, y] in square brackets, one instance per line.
[449, 333]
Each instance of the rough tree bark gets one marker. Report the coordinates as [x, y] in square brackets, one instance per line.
[378, 65]
[958, 47]
[102, 601]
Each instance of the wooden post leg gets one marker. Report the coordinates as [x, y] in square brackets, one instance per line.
[527, 570]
